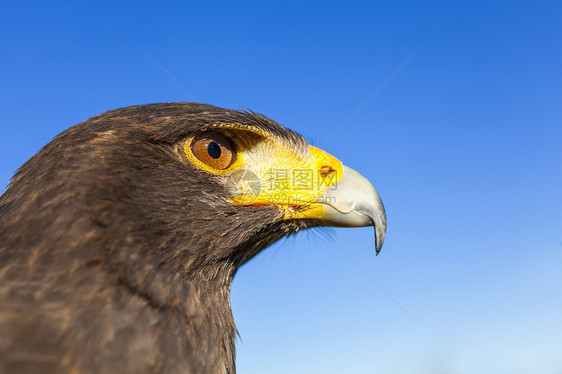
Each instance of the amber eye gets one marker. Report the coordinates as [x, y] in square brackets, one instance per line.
[213, 149]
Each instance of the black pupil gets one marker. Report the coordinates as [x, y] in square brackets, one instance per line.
[214, 150]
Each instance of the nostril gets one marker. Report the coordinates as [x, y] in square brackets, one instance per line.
[326, 171]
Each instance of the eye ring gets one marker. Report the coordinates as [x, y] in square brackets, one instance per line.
[213, 149]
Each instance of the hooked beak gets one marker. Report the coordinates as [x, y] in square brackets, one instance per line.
[332, 193]
[354, 202]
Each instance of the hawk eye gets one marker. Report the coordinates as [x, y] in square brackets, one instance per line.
[213, 149]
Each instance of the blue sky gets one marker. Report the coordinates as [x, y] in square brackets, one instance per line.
[464, 144]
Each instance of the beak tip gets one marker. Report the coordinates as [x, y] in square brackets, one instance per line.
[378, 244]
[380, 232]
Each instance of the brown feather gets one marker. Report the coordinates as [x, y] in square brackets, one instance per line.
[117, 254]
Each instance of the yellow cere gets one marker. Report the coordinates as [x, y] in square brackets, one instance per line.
[275, 175]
